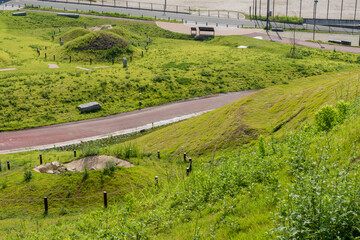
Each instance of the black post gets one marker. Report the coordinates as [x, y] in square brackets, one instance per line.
[156, 181]
[54, 57]
[187, 171]
[90, 61]
[45, 55]
[158, 154]
[70, 59]
[74, 153]
[190, 164]
[40, 159]
[105, 199]
[184, 157]
[142, 53]
[46, 205]
[0, 166]
[8, 165]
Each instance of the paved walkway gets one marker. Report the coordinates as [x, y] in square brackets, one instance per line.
[75, 132]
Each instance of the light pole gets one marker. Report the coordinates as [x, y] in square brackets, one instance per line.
[268, 16]
[315, 3]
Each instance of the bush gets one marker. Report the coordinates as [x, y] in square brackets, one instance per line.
[326, 118]
[343, 110]
[28, 175]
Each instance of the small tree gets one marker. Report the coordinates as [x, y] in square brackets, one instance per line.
[326, 118]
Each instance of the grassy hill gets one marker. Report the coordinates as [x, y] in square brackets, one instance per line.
[233, 192]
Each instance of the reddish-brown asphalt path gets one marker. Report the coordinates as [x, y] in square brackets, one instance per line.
[49, 135]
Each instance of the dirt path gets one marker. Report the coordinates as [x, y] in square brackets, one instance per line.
[74, 132]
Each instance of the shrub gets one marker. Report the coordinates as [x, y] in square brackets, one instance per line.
[326, 118]
[28, 175]
[343, 110]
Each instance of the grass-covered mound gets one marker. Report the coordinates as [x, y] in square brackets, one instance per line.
[276, 109]
[4, 59]
[98, 40]
[73, 34]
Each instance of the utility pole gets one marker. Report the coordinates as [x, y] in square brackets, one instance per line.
[273, 12]
[342, 5]
[300, 8]
[268, 16]
[315, 4]
[327, 14]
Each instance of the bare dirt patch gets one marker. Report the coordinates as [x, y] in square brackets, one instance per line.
[90, 163]
[96, 163]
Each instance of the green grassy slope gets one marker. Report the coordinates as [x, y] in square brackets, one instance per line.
[277, 109]
[174, 67]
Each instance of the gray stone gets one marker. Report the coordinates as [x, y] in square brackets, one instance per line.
[88, 107]
[72, 15]
[55, 164]
[19, 14]
[50, 172]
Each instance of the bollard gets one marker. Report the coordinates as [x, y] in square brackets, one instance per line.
[124, 62]
[45, 55]
[187, 171]
[0, 166]
[142, 53]
[156, 181]
[105, 199]
[158, 154]
[54, 57]
[85, 25]
[90, 61]
[70, 59]
[184, 157]
[40, 159]
[190, 164]
[8, 165]
[131, 58]
[46, 205]
[74, 153]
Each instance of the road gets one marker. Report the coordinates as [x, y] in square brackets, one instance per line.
[75, 132]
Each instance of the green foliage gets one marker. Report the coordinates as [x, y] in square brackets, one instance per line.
[343, 110]
[85, 174]
[28, 175]
[261, 144]
[89, 150]
[326, 118]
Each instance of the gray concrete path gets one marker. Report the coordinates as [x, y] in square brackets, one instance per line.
[97, 128]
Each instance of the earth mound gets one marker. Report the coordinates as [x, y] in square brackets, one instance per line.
[90, 163]
[97, 40]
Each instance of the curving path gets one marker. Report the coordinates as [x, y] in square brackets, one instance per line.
[75, 132]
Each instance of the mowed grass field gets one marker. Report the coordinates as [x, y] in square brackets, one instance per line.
[174, 67]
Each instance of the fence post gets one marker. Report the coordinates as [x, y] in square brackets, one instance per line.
[46, 205]
[158, 154]
[156, 181]
[105, 199]
[184, 157]
[74, 153]
[40, 159]
[187, 171]
[8, 165]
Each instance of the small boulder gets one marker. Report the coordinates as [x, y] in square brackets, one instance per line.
[90, 106]
[50, 172]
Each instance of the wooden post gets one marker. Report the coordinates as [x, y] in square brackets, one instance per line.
[46, 205]
[105, 199]
[158, 154]
[184, 157]
[8, 165]
[40, 159]
[74, 153]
